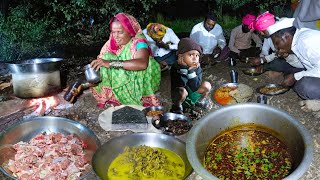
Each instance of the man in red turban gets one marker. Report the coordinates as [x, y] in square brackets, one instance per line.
[262, 23]
[240, 39]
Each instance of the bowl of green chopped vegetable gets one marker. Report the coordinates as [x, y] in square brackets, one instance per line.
[142, 156]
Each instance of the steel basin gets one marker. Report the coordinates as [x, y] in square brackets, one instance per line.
[296, 136]
[35, 78]
[110, 150]
[27, 129]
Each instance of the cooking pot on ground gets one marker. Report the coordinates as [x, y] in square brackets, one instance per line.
[104, 156]
[295, 135]
[27, 129]
[35, 78]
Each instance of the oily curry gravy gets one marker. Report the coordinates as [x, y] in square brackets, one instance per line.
[248, 152]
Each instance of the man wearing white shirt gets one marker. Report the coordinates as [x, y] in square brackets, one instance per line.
[307, 15]
[288, 63]
[241, 38]
[163, 43]
[210, 36]
[304, 43]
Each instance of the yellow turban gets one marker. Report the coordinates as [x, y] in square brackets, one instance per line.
[156, 30]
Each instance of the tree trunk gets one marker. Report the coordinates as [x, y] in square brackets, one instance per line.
[4, 5]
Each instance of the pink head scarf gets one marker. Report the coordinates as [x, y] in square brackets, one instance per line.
[263, 21]
[129, 23]
[248, 19]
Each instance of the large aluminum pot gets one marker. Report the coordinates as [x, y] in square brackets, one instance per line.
[104, 156]
[296, 136]
[35, 78]
[28, 129]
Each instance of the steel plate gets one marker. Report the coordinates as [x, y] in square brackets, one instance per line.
[252, 72]
[272, 89]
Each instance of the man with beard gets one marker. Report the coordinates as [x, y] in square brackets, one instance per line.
[304, 43]
[241, 38]
[210, 36]
[276, 62]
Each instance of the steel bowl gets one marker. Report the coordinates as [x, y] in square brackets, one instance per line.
[296, 136]
[252, 71]
[153, 108]
[162, 123]
[27, 129]
[110, 150]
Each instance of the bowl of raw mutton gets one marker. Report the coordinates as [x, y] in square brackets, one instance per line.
[47, 148]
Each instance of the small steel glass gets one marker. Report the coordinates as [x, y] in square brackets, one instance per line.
[92, 76]
[232, 62]
[234, 76]
[262, 99]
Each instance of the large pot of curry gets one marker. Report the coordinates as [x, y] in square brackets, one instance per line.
[249, 141]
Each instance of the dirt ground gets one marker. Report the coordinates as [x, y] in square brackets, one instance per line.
[86, 113]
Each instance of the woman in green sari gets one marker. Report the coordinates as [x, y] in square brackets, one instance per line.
[129, 73]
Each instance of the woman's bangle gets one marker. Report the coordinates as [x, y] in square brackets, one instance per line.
[116, 64]
[261, 60]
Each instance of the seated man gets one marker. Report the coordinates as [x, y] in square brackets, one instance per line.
[163, 43]
[241, 37]
[305, 44]
[209, 35]
[187, 87]
[285, 63]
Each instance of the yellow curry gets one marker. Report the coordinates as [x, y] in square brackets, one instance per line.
[146, 163]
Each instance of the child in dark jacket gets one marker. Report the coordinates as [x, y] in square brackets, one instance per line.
[187, 87]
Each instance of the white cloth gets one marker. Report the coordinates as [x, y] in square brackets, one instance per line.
[170, 37]
[267, 45]
[306, 46]
[208, 39]
[294, 61]
[310, 105]
[281, 24]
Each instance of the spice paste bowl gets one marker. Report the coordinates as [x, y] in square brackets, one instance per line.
[173, 124]
[104, 156]
[294, 134]
[27, 129]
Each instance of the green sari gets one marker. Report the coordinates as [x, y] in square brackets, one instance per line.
[120, 86]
